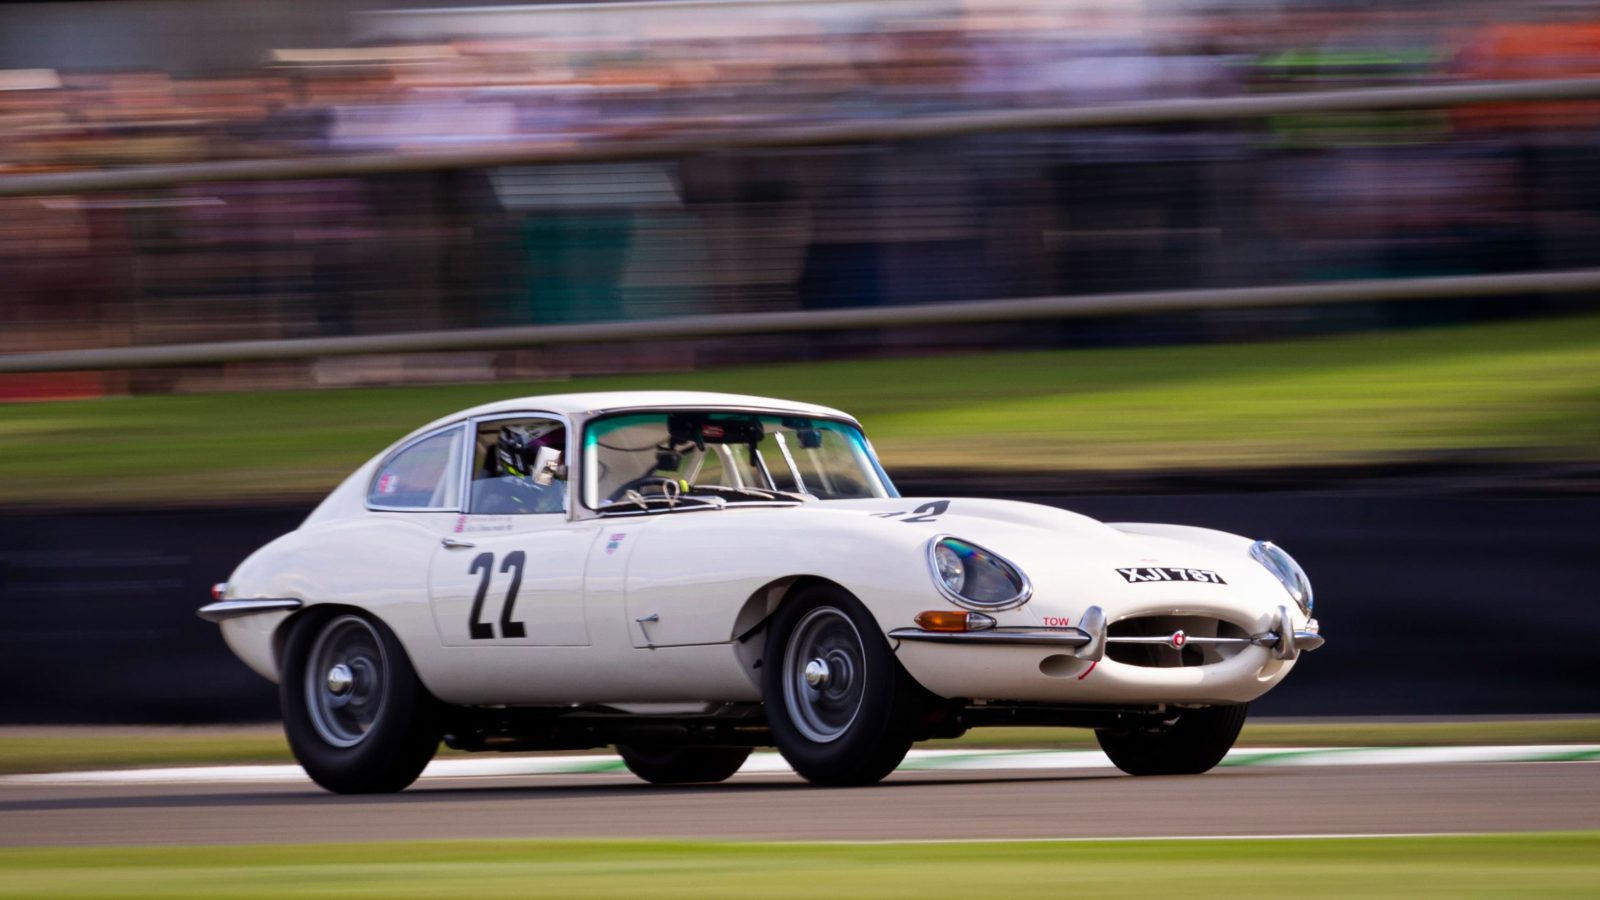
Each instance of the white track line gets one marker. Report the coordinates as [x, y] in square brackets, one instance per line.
[1080, 839]
[917, 760]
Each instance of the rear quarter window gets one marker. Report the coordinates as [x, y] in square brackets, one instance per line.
[425, 474]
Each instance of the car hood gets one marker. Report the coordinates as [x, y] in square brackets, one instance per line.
[998, 525]
[1074, 560]
[879, 548]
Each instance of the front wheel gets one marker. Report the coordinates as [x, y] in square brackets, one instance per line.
[357, 718]
[667, 764]
[1195, 743]
[840, 707]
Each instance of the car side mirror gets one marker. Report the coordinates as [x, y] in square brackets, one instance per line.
[547, 466]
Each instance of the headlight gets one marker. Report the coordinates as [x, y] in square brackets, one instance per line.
[972, 577]
[1289, 574]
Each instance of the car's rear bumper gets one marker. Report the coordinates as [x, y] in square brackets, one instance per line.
[223, 610]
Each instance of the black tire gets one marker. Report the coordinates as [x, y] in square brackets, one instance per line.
[857, 728]
[378, 734]
[672, 764]
[1193, 744]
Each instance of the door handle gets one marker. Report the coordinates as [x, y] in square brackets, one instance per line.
[453, 544]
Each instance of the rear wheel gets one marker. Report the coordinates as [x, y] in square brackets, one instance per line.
[357, 718]
[1195, 743]
[670, 764]
[840, 707]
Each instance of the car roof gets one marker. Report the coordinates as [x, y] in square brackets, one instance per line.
[349, 498]
[585, 405]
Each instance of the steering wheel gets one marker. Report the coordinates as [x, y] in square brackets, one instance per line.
[643, 481]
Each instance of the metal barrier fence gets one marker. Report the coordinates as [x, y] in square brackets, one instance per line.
[820, 320]
[703, 145]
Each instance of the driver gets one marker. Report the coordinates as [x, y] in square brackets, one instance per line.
[510, 483]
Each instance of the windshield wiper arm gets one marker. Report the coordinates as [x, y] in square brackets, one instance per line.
[764, 493]
[646, 503]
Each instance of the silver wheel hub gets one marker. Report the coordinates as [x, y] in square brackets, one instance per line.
[824, 675]
[346, 682]
[340, 679]
[817, 673]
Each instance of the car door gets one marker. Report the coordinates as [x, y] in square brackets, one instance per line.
[510, 572]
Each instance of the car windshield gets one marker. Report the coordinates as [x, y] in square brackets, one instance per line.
[695, 459]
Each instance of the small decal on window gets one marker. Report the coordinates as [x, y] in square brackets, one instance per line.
[1141, 574]
[387, 484]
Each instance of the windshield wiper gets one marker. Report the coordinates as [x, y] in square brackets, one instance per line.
[763, 493]
[671, 502]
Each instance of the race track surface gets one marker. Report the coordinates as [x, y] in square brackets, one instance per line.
[909, 806]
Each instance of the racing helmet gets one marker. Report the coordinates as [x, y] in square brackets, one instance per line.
[517, 448]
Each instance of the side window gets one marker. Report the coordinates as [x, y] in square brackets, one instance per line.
[425, 475]
[519, 467]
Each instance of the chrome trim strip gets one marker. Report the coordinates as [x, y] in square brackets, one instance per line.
[1066, 637]
[231, 609]
[1187, 639]
[1302, 641]
[966, 602]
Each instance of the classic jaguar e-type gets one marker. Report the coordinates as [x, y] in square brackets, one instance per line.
[687, 576]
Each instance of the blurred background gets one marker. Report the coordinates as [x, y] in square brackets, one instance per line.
[726, 228]
[185, 173]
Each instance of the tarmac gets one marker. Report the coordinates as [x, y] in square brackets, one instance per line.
[1305, 798]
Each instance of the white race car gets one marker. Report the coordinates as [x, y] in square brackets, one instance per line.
[690, 575]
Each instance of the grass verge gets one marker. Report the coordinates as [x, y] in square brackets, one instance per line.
[76, 749]
[1521, 390]
[1521, 865]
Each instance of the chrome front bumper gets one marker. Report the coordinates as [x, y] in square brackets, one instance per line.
[1088, 640]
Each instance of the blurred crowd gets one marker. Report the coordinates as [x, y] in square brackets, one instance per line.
[1294, 198]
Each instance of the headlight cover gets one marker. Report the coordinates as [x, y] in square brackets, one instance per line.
[1288, 572]
[973, 578]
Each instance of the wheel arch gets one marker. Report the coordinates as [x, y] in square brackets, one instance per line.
[750, 625]
[280, 634]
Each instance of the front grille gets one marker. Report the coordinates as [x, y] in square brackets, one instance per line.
[1161, 656]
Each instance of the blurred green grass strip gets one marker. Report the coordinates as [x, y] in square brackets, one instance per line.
[1512, 865]
[79, 748]
[1518, 390]
[83, 748]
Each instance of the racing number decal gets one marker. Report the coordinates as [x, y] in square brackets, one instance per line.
[484, 562]
[508, 628]
[928, 512]
[475, 629]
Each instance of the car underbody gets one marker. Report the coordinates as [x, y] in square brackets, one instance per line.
[585, 727]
